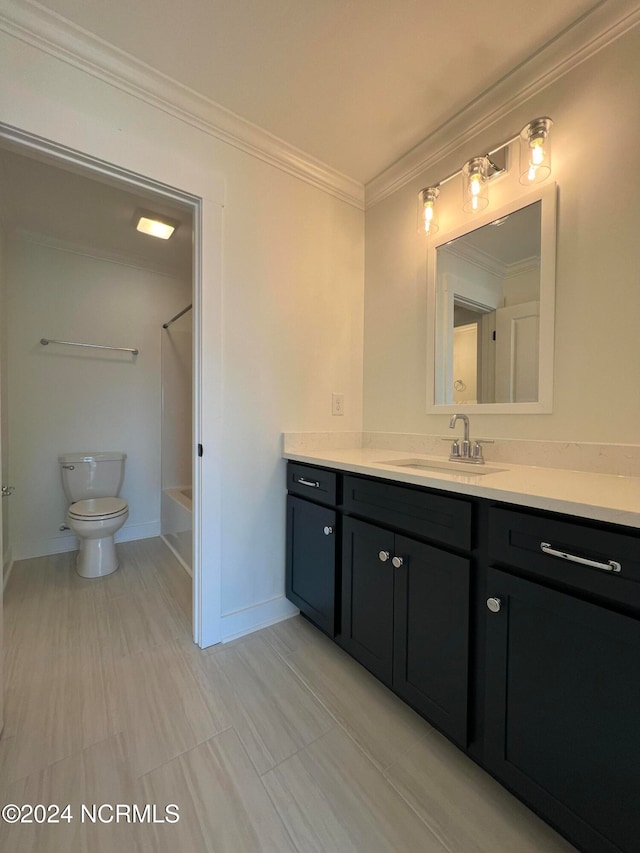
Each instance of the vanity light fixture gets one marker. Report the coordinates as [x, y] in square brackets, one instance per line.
[535, 166]
[427, 213]
[155, 224]
[535, 151]
[474, 188]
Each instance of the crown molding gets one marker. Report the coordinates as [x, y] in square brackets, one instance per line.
[70, 247]
[521, 267]
[596, 29]
[49, 32]
[489, 263]
[476, 257]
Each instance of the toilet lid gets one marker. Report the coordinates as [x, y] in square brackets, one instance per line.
[98, 507]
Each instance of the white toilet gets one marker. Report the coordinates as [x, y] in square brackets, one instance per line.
[92, 482]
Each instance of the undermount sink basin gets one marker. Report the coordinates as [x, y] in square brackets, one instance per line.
[445, 466]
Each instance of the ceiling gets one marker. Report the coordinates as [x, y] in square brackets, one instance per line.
[67, 209]
[509, 240]
[354, 83]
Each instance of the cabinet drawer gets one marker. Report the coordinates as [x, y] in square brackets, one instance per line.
[517, 538]
[316, 484]
[441, 519]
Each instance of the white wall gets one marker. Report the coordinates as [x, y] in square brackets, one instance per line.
[597, 360]
[4, 423]
[67, 399]
[290, 312]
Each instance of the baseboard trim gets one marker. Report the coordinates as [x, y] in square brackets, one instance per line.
[27, 550]
[250, 619]
[184, 565]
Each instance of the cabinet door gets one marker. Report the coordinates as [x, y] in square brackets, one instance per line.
[431, 642]
[367, 596]
[311, 561]
[563, 710]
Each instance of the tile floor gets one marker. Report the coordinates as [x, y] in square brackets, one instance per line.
[276, 742]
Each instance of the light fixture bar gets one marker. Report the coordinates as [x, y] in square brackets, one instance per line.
[478, 171]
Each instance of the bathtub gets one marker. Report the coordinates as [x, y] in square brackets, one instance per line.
[177, 523]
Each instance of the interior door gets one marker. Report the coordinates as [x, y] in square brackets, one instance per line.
[3, 515]
[517, 353]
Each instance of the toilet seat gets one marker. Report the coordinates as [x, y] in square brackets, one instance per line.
[95, 509]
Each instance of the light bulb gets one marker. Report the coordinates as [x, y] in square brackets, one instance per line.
[537, 151]
[427, 223]
[474, 185]
[428, 217]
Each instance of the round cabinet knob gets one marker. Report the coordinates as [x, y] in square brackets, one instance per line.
[328, 531]
[494, 604]
[383, 556]
[397, 562]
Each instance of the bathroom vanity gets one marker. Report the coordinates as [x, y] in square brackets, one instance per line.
[502, 604]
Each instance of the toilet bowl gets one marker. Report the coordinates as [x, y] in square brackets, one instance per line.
[92, 483]
[95, 522]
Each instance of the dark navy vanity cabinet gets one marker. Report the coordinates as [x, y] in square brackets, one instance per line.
[311, 557]
[516, 632]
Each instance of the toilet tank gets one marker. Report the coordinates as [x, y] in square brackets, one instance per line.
[92, 475]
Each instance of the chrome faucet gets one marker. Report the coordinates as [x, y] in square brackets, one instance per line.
[461, 451]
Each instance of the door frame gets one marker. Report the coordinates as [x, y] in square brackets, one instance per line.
[206, 207]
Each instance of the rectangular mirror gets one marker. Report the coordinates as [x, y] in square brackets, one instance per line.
[491, 304]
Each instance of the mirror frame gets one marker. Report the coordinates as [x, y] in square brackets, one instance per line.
[546, 194]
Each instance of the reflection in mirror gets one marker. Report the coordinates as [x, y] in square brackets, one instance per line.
[488, 302]
[491, 306]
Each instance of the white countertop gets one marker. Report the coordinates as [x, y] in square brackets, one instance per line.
[604, 497]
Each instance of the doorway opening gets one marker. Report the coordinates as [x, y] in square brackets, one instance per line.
[73, 168]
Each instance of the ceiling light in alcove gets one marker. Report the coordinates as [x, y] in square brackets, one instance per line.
[155, 224]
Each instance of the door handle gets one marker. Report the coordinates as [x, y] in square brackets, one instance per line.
[8, 490]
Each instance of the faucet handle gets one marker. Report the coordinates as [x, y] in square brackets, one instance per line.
[476, 453]
[455, 450]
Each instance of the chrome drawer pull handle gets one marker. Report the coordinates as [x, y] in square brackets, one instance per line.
[610, 566]
[314, 484]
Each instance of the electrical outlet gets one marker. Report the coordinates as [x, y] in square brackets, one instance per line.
[337, 404]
